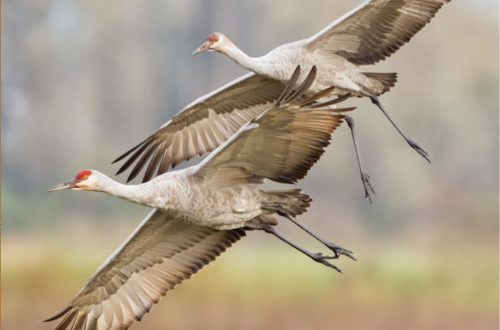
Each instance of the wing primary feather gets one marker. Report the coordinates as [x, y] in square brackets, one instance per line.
[289, 86]
[304, 86]
[326, 103]
[325, 92]
[68, 320]
[165, 161]
[80, 321]
[129, 151]
[132, 158]
[140, 163]
[91, 322]
[58, 315]
[331, 102]
[342, 110]
[153, 164]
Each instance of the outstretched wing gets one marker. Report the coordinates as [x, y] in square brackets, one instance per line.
[375, 29]
[202, 126]
[282, 144]
[161, 253]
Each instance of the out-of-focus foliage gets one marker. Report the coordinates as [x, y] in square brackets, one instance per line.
[82, 81]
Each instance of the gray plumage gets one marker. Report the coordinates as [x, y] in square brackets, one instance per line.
[369, 33]
[201, 210]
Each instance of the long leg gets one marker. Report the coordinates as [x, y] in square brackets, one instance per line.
[318, 257]
[412, 143]
[365, 178]
[337, 249]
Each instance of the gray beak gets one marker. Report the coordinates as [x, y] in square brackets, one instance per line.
[204, 46]
[62, 186]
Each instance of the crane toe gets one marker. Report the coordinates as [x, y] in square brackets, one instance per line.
[418, 149]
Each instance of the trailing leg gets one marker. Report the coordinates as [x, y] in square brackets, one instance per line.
[318, 257]
[365, 178]
[336, 249]
[412, 143]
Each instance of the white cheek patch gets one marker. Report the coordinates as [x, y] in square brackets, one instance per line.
[88, 184]
[91, 181]
[218, 44]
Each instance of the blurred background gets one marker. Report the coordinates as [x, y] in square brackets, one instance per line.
[82, 81]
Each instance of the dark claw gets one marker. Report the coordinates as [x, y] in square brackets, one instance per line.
[365, 178]
[319, 257]
[338, 251]
[418, 149]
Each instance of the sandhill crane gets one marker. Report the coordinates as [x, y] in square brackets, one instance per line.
[201, 210]
[368, 34]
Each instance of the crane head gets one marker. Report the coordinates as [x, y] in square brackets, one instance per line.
[84, 180]
[214, 43]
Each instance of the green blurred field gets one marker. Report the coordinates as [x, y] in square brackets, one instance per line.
[391, 286]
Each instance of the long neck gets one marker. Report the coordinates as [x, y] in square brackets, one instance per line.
[237, 55]
[142, 194]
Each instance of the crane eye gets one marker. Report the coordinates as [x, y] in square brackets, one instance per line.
[82, 175]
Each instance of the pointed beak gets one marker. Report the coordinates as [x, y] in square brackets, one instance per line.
[204, 46]
[62, 186]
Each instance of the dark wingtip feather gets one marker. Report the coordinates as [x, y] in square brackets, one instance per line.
[58, 315]
[304, 86]
[129, 152]
[153, 164]
[289, 86]
[132, 158]
[146, 155]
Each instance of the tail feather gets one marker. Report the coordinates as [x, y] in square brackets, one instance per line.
[386, 79]
[291, 202]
